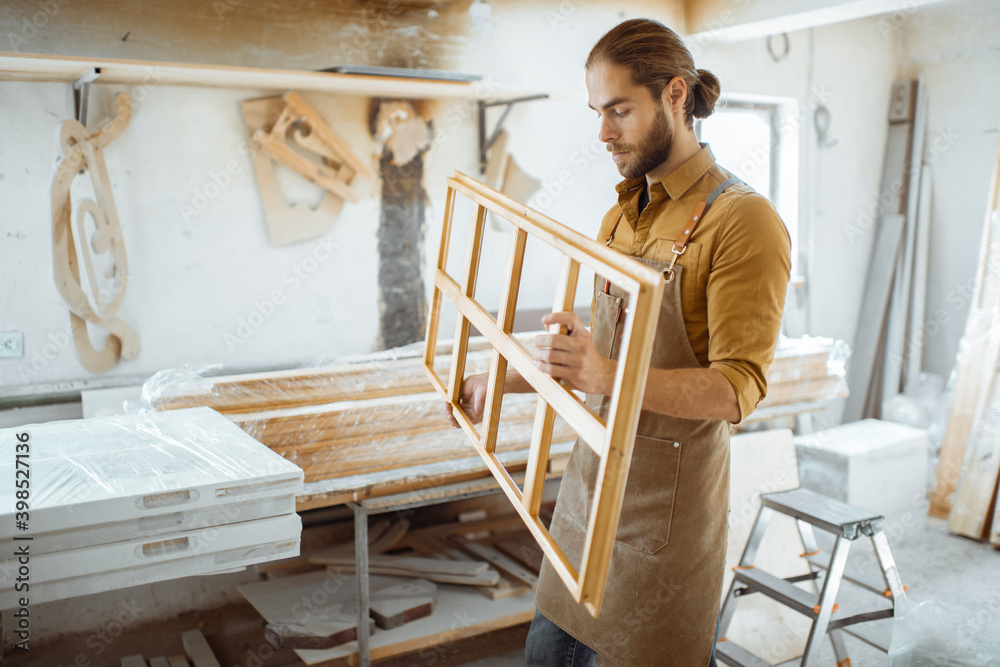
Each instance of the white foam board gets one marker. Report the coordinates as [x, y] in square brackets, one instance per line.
[116, 556]
[150, 526]
[232, 560]
[95, 471]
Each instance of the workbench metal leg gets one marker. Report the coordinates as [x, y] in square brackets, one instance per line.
[361, 568]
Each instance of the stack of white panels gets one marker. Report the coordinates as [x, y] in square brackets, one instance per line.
[120, 501]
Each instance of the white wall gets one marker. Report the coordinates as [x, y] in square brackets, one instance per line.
[957, 48]
[852, 67]
[194, 279]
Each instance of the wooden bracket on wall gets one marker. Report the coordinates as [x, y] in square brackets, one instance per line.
[82, 151]
[612, 440]
[486, 142]
[283, 131]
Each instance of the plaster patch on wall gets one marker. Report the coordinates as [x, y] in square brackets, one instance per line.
[405, 137]
[401, 130]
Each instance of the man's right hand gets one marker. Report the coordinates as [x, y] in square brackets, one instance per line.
[473, 400]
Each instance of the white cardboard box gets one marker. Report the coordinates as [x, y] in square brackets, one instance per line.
[875, 465]
[116, 469]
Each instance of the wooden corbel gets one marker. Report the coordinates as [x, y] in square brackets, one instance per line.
[281, 130]
[82, 151]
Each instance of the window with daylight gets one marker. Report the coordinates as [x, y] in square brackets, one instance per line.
[758, 142]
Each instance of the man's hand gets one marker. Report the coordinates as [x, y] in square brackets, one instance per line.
[572, 357]
[473, 400]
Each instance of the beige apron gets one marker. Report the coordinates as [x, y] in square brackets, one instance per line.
[665, 582]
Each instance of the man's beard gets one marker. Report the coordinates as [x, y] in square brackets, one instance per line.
[651, 151]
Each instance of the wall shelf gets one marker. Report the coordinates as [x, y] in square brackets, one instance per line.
[48, 68]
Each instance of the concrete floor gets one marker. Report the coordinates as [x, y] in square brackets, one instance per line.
[962, 575]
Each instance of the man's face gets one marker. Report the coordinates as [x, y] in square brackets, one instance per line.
[636, 128]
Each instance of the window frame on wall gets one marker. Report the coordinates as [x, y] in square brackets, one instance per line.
[783, 159]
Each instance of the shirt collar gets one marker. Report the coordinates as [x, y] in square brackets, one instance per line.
[680, 180]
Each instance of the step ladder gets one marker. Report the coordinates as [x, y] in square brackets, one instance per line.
[846, 523]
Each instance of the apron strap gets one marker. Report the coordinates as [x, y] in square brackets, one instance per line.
[680, 245]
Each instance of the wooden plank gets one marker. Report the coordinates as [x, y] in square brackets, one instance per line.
[897, 326]
[974, 369]
[198, 649]
[314, 635]
[42, 67]
[488, 578]
[524, 550]
[133, 661]
[975, 498]
[878, 287]
[394, 606]
[178, 661]
[913, 357]
[416, 565]
[501, 561]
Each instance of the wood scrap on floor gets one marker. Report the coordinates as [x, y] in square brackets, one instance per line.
[198, 650]
[315, 635]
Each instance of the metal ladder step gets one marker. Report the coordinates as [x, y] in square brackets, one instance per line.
[825, 513]
[778, 589]
[852, 573]
[803, 601]
[734, 655]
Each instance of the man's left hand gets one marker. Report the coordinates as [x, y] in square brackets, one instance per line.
[572, 357]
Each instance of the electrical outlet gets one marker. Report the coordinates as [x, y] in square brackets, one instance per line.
[11, 344]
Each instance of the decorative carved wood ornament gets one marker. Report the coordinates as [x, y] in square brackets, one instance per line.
[82, 152]
[281, 130]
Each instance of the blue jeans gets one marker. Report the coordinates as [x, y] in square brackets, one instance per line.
[548, 645]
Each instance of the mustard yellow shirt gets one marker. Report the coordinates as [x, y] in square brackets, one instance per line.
[736, 266]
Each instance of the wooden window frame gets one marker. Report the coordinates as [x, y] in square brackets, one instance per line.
[612, 439]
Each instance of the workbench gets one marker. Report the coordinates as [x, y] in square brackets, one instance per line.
[461, 612]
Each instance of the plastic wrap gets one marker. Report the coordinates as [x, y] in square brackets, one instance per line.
[807, 369]
[115, 468]
[354, 416]
[929, 634]
[113, 500]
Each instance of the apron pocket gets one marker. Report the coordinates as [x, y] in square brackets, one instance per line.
[648, 506]
[603, 328]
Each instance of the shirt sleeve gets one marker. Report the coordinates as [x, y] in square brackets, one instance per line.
[747, 282]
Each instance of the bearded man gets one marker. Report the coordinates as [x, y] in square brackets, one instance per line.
[724, 256]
